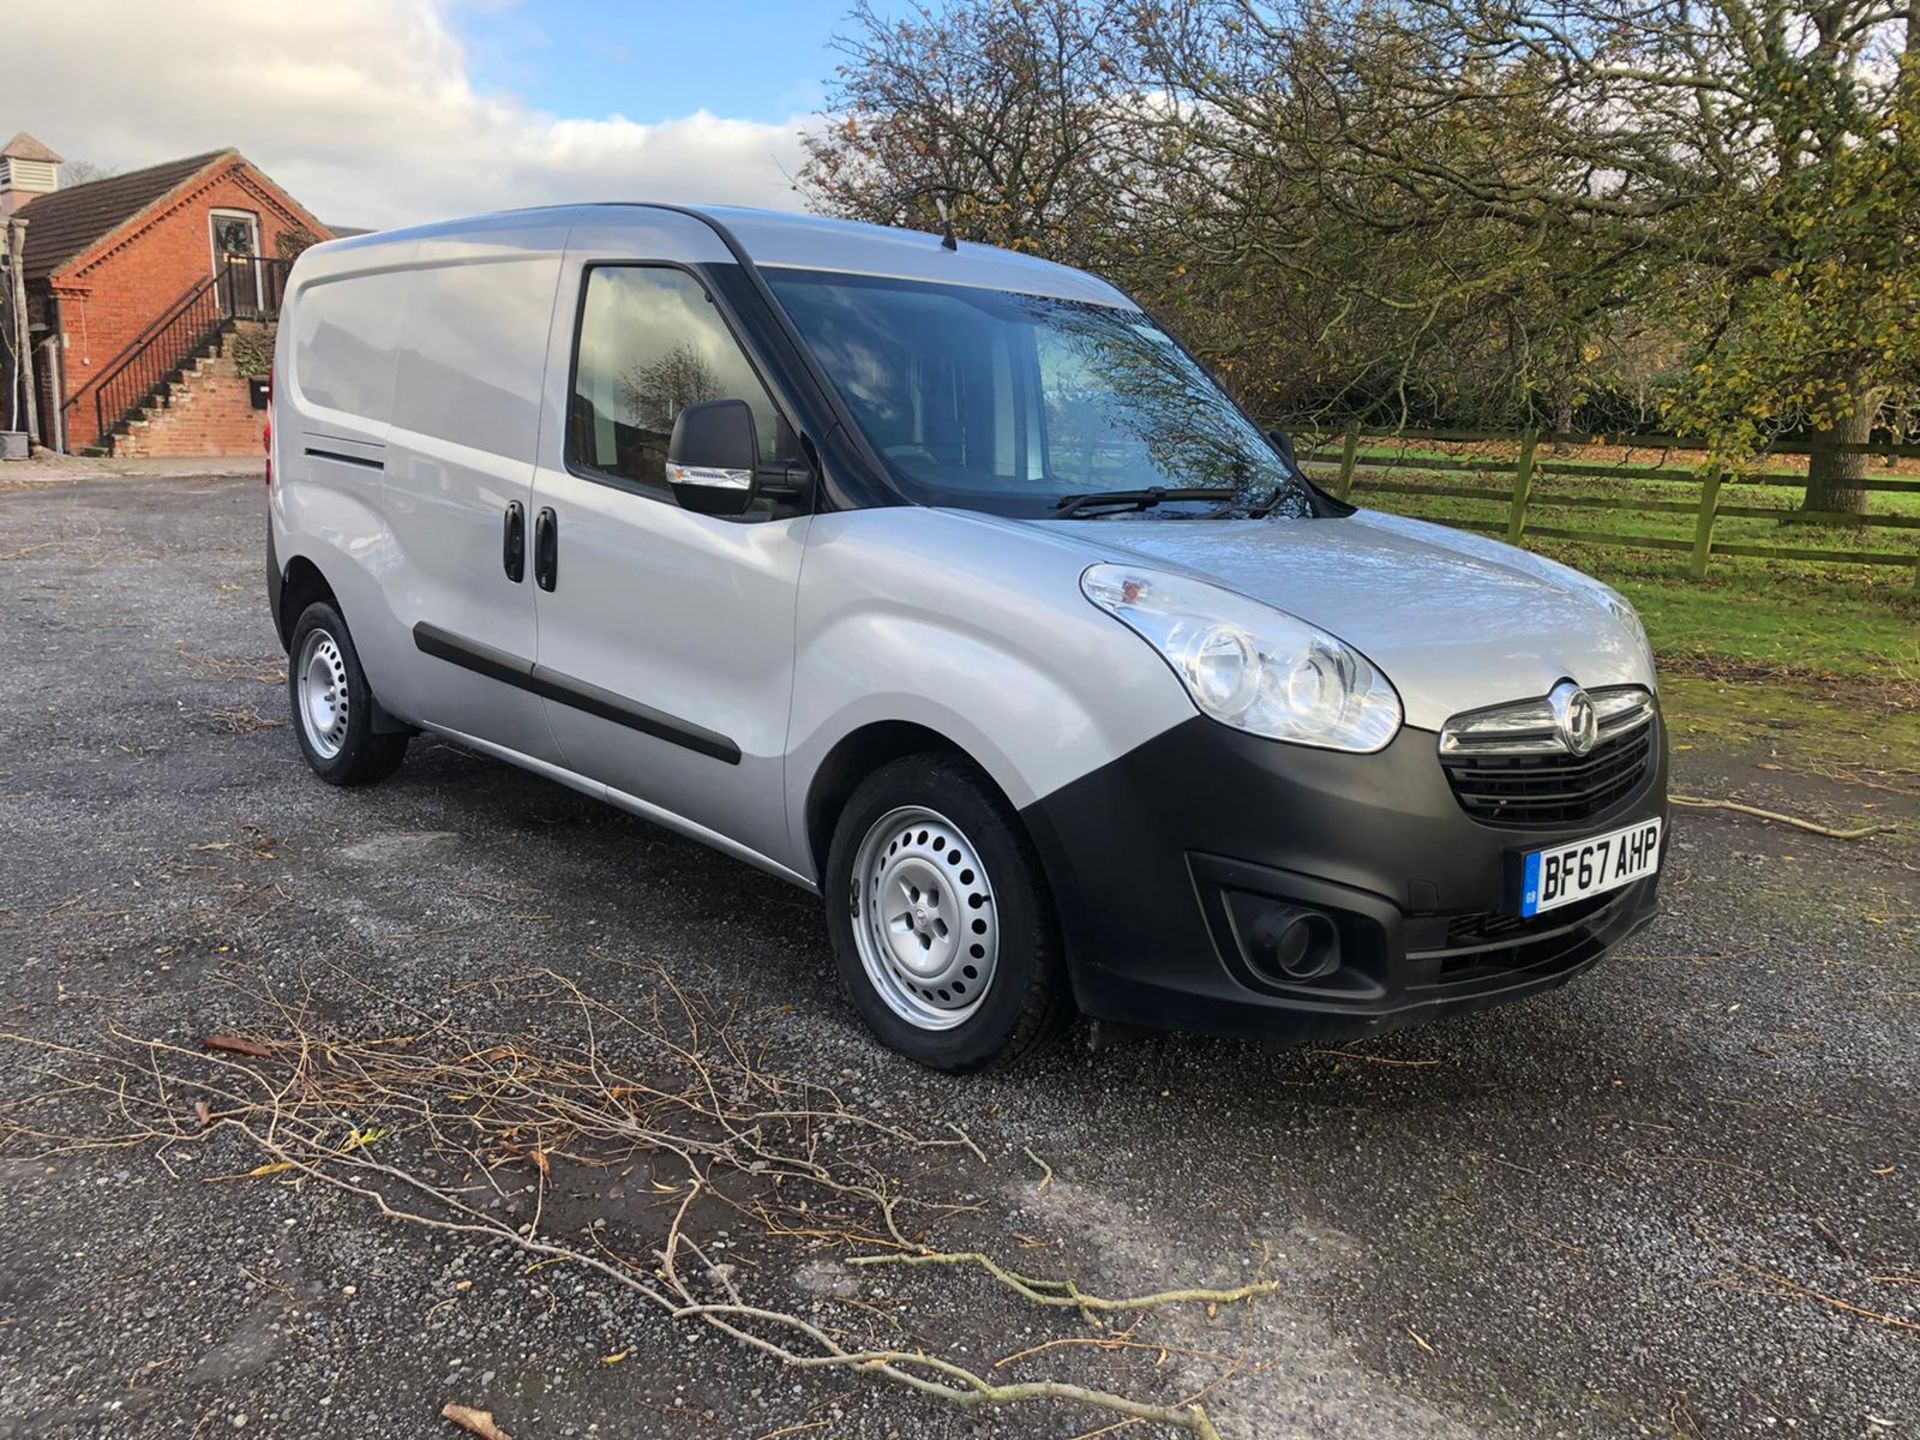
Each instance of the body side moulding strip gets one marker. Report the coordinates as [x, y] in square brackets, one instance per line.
[362, 461]
[565, 690]
[472, 655]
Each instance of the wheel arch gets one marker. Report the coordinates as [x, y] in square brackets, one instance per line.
[301, 585]
[857, 755]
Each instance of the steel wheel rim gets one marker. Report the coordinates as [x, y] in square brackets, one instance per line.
[323, 702]
[924, 918]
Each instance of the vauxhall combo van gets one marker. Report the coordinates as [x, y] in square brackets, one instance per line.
[942, 582]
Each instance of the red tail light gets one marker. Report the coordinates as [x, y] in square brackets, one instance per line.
[266, 432]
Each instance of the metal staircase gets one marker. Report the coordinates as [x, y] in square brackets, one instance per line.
[141, 378]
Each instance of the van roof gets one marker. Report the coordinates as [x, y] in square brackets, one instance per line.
[815, 242]
[774, 239]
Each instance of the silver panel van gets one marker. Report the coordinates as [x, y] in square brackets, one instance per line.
[941, 581]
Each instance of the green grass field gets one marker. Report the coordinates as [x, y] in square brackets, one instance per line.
[1817, 617]
[1747, 616]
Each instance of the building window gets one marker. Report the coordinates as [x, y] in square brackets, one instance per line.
[235, 234]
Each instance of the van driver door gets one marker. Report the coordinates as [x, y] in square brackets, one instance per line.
[666, 638]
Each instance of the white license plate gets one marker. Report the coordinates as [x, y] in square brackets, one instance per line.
[1556, 877]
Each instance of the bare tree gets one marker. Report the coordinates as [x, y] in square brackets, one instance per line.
[1007, 113]
[655, 392]
[1699, 210]
[1321, 285]
[1744, 174]
[294, 241]
[85, 172]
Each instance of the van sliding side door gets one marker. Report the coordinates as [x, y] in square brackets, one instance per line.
[459, 477]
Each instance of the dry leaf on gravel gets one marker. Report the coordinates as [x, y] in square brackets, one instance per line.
[234, 1045]
[474, 1422]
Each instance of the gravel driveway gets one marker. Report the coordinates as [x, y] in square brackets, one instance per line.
[1677, 1198]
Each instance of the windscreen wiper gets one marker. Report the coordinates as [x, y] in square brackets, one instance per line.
[1073, 505]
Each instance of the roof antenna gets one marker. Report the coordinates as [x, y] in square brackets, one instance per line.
[947, 240]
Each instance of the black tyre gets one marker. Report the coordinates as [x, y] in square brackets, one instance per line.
[332, 707]
[943, 928]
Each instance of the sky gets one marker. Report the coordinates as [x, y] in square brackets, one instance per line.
[384, 112]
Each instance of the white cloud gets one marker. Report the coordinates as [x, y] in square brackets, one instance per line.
[363, 109]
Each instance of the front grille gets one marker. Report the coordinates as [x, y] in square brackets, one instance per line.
[1552, 789]
[1488, 928]
[1464, 952]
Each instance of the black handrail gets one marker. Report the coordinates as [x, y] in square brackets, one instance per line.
[246, 287]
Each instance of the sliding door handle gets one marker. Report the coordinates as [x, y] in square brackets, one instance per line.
[546, 549]
[513, 543]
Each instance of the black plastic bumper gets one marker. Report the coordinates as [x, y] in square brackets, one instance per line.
[1166, 864]
[276, 582]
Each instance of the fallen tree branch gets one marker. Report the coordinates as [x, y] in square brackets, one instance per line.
[1694, 802]
[1065, 1292]
[438, 1129]
[1783, 1288]
[1046, 1170]
[1391, 1060]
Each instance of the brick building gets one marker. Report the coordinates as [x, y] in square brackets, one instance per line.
[151, 297]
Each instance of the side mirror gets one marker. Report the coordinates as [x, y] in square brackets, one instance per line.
[711, 457]
[1283, 442]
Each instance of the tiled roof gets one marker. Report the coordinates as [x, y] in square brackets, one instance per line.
[61, 225]
[24, 147]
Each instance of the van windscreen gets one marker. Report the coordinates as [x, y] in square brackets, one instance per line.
[1014, 403]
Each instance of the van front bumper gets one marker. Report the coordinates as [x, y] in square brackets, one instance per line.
[1173, 866]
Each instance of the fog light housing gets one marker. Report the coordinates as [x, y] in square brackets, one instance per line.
[1291, 945]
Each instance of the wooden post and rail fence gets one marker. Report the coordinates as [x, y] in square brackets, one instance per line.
[1372, 473]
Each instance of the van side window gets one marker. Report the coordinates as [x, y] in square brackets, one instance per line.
[651, 343]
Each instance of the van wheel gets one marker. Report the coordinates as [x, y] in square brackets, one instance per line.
[332, 705]
[942, 927]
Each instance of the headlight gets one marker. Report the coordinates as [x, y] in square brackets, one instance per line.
[1250, 666]
[1624, 612]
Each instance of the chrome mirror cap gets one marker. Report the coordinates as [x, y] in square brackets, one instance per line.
[712, 477]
